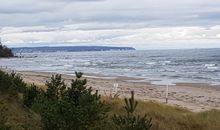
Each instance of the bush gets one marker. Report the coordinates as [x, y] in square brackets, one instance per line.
[30, 95]
[56, 87]
[11, 82]
[130, 121]
[76, 108]
[17, 83]
[5, 81]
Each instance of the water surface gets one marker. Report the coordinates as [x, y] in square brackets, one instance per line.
[159, 66]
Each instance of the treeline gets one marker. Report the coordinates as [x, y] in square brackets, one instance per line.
[5, 51]
[74, 107]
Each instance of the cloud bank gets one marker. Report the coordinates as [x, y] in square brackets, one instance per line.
[144, 24]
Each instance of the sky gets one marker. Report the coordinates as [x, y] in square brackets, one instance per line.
[143, 24]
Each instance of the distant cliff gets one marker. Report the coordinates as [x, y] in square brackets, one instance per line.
[69, 49]
[5, 51]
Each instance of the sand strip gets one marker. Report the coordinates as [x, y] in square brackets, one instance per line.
[195, 97]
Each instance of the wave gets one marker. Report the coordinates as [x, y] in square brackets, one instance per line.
[174, 65]
[151, 63]
[165, 62]
[200, 77]
[210, 65]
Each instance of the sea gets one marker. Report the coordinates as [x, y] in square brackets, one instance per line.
[158, 66]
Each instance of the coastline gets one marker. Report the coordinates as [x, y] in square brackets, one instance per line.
[195, 97]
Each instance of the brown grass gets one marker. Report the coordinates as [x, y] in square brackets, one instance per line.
[19, 117]
[166, 117]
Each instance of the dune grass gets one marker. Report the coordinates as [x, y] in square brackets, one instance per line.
[166, 117]
[18, 116]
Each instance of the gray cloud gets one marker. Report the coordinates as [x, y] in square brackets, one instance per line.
[24, 17]
[155, 13]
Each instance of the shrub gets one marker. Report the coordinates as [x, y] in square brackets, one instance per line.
[130, 121]
[30, 95]
[75, 108]
[5, 81]
[12, 82]
[56, 87]
[17, 82]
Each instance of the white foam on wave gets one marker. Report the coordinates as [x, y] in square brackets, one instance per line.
[214, 84]
[210, 65]
[212, 68]
[166, 62]
[68, 65]
[163, 82]
[136, 81]
[99, 77]
[87, 63]
[150, 63]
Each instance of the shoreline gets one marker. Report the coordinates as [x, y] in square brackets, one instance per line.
[195, 97]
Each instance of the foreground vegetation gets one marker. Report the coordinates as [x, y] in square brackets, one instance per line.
[77, 107]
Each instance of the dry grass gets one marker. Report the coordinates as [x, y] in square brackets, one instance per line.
[166, 117]
[19, 117]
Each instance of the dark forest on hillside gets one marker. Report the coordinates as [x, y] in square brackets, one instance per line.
[5, 51]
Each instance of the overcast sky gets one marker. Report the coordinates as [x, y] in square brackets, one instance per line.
[143, 24]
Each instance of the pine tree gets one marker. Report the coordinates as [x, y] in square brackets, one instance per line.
[130, 121]
[73, 108]
[56, 87]
[30, 95]
[12, 82]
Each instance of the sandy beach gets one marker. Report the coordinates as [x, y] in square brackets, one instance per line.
[192, 96]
